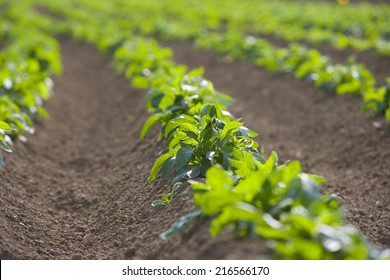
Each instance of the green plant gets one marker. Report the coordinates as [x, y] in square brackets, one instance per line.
[194, 144]
[282, 204]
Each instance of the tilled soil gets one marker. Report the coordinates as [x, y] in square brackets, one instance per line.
[77, 189]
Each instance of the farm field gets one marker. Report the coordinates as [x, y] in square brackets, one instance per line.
[137, 136]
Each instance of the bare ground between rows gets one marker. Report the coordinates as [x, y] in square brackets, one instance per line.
[325, 131]
[77, 189]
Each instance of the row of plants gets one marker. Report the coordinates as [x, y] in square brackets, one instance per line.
[358, 20]
[304, 63]
[27, 64]
[202, 139]
[256, 196]
[361, 27]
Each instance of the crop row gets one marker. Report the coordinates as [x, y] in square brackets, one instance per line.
[363, 27]
[304, 63]
[27, 63]
[202, 139]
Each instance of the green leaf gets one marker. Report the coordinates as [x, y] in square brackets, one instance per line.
[167, 168]
[234, 214]
[183, 223]
[150, 122]
[157, 202]
[272, 229]
[271, 163]
[230, 128]
[188, 172]
[251, 185]
[197, 72]
[223, 98]
[217, 178]
[176, 187]
[185, 123]
[140, 82]
[244, 131]
[42, 112]
[208, 110]
[157, 165]
[4, 126]
[4, 146]
[182, 157]
[299, 248]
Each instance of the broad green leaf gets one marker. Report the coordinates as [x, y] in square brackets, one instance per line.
[217, 178]
[310, 191]
[230, 128]
[188, 172]
[302, 221]
[4, 126]
[271, 163]
[167, 168]
[185, 123]
[388, 113]
[197, 186]
[182, 157]
[150, 122]
[317, 179]
[157, 165]
[166, 101]
[244, 165]
[288, 172]
[300, 248]
[183, 223]
[5, 147]
[251, 185]
[272, 228]
[140, 82]
[215, 201]
[223, 98]
[176, 187]
[154, 98]
[42, 112]
[157, 202]
[197, 72]
[233, 214]
[244, 131]
[208, 110]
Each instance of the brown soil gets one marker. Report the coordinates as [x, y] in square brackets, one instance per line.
[77, 188]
